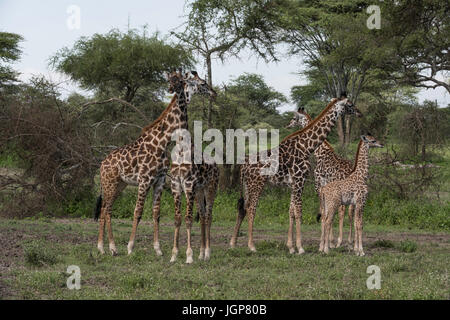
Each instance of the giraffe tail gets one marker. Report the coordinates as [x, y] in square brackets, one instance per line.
[241, 207]
[98, 208]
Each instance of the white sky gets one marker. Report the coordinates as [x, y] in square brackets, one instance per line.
[43, 24]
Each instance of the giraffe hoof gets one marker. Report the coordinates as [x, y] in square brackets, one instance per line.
[159, 253]
[252, 249]
[173, 259]
[189, 260]
[301, 251]
[291, 250]
[101, 250]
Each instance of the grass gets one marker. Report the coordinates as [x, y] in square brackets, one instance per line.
[413, 263]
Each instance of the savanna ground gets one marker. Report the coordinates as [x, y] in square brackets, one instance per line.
[35, 254]
[408, 239]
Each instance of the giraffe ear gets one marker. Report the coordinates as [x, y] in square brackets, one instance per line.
[363, 138]
[194, 73]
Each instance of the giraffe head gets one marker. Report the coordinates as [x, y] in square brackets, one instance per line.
[371, 141]
[190, 83]
[194, 84]
[300, 119]
[345, 106]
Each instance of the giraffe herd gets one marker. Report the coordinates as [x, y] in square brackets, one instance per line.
[145, 163]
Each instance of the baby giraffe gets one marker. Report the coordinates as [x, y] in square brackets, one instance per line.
[351, 190]
[199, 182]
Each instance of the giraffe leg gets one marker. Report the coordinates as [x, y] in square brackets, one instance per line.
[331, 238]
[199, 197]
[142, 194]
[112, 246]
[322, 234]
[101, 230]
[177, 201]
[322, 222]
[240, 216]
[290, 243]
[359, 230]
[188, 219]
[157, 191]
[115, 188]
[328, 224]
[355, 240]
[210, 197]
[298, 220]
[252, 203]
[351, 210]
[341, 225]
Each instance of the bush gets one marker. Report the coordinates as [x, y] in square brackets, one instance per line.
[36, 254]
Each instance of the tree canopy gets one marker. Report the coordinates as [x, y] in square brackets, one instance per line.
[120, 62]
[9, 52]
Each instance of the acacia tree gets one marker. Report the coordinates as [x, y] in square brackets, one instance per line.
[222, 28]
[120, 63]
[9, 52]
[341, 54]
[418, 31]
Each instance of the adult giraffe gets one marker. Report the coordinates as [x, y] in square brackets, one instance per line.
[329, 167]
[144, 162]
[293, 167]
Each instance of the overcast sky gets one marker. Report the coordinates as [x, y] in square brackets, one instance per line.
[43, 24]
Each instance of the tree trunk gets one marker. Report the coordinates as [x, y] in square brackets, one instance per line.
[235, 176]
[347, 129]
[208, 64]
[224, 178]
[340, 131]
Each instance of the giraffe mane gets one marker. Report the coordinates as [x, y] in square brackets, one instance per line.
[161, 116]
[328, 145]
[312, 123]
[357, 155]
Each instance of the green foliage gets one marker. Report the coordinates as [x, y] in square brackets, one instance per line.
[37, 254]
[120, 63]
[9, 52]
[408, 246]
[383, 244]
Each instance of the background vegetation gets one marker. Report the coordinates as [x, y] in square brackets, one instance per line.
[52, 146]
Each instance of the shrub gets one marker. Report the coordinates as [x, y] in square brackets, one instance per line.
[38, 255]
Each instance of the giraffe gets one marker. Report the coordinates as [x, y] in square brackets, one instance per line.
[144, 162]
[293, 167]
[329, 167]
[199, 182]
[351, 190]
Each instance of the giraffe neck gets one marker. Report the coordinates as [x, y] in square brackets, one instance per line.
[173, 117]
[361, 168]
[315, 133]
